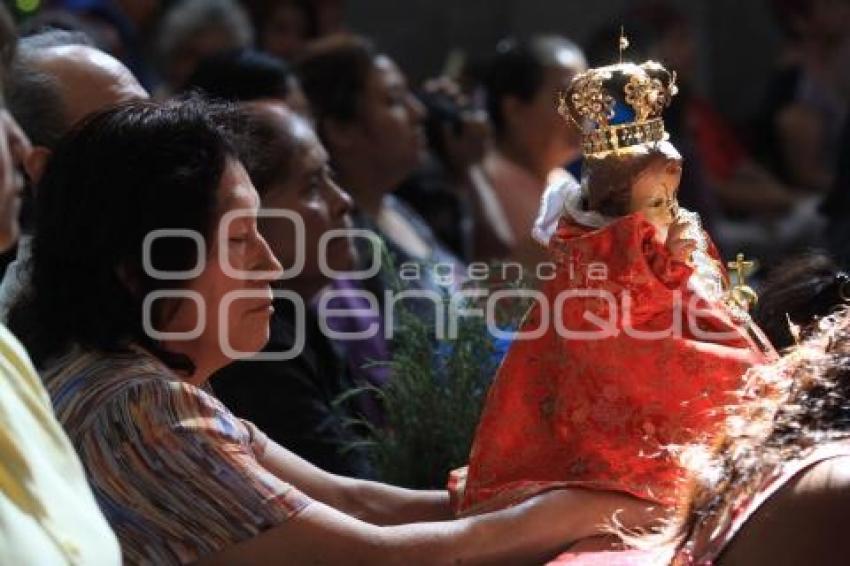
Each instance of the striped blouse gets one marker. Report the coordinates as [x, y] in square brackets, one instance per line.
[176, 474]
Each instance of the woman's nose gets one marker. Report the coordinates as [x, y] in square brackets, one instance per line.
[341, 202]
[267, 262]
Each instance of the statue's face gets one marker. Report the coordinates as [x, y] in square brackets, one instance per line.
[654, 194]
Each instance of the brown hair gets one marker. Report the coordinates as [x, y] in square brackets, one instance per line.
[608, 180]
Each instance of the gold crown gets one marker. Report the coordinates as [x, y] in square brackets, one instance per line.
[639, 91]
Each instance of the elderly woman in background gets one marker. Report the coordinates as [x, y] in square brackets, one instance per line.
[130, 320]
[294, 400]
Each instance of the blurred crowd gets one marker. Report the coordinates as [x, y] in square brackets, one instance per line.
[491, 139]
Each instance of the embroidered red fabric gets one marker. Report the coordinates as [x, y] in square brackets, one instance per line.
[605, 410]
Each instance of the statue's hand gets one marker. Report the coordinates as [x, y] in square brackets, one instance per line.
[680, 248]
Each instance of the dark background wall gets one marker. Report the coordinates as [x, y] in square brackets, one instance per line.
[738, 38]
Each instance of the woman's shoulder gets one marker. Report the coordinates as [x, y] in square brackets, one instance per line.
[122, 387]
[803, 521]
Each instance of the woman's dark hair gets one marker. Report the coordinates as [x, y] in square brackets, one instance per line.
[241, 75]
[110, 182]
[518, 69]
[333, 73]
[798, 291]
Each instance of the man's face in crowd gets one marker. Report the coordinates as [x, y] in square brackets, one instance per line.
[90, 80]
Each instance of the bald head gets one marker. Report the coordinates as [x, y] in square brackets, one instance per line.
[56, 81]
[87, 80]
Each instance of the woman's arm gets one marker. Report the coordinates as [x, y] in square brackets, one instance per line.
[372, 502]
[526, 534]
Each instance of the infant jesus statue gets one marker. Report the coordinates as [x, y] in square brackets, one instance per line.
[639, 349]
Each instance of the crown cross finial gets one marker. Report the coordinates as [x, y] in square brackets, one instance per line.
[624, 42]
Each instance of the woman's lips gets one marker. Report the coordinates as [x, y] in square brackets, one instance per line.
[263, 304]
[264, 308]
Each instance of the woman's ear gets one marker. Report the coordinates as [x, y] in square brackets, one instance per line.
[35, 162]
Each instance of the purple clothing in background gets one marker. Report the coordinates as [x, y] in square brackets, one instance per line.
[360, 354]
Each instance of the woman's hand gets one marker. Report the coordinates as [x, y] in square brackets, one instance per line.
[529, 533]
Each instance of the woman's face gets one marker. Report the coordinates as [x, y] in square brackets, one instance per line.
[309, 191]
[242, 328]
[654, 194]
[389, 123]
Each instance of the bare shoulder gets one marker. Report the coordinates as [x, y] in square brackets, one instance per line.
[802, 523]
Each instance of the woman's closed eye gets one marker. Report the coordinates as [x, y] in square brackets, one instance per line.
[314, 183]
[317, 181]
[242, 234]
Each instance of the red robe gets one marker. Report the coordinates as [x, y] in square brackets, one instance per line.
[604, 413]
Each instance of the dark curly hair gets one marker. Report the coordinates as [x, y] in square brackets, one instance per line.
[119, 175]
[799, 290]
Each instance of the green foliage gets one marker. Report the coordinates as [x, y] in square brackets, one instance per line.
[434, 399]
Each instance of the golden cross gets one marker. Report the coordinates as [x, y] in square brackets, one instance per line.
[624, 43]
[741, 267]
